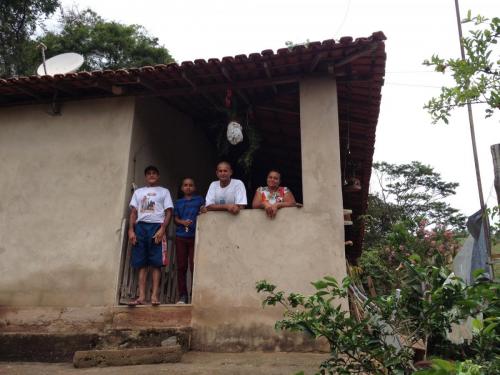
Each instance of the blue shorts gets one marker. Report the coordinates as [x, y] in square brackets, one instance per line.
[146, 252]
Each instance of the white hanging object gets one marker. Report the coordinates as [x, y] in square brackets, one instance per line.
[234, 133]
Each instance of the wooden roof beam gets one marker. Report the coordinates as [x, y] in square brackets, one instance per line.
[108, 87]
[241, 94]
[320, 56]
[235, 85]
[207, 97]
[269, 75]
[28, 92]
[356, 55]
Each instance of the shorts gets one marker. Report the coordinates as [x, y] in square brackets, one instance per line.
[146, 252]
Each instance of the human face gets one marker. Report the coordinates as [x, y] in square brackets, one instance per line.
[273, 180]
[152, 178]
[188, 187]
[224, 173]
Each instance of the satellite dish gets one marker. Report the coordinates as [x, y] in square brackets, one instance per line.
[61, 64]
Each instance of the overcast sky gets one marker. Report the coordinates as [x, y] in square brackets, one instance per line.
[415, 30]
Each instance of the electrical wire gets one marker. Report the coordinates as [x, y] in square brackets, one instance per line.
[345, 18]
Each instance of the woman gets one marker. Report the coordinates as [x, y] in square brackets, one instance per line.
[273, 196]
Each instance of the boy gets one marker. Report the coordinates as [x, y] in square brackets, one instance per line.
[226, 194]
[185, 215]
[151, 210]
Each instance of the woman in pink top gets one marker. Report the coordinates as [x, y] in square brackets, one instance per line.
[273, 196]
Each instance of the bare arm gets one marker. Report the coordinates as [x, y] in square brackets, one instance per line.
[257, 200]
[232, 208]
[161, 232]
[179, 221]
[132, 220]
[288, 200]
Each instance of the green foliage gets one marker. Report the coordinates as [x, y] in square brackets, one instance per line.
[355, 347]
[477, 78]
[408, 192]
[18, 22]
[406, 240]
[104, 44]
[429, 301]
[442, 367]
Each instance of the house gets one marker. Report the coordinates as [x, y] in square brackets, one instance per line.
[72, 145]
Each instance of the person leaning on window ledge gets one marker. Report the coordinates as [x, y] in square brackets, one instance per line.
[226, 194]
[273, 196]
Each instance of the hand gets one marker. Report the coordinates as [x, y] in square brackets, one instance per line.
[271, 210]
[186, 223]
[203, 210]
[132, 237]
[158, 237]
[233, 208]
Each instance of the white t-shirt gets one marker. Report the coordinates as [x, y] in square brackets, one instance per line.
[151, 203]
[234, 193]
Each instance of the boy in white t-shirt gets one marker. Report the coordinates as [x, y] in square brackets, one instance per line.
[226, 194]
[150, 212]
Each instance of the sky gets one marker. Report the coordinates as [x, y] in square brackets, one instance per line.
[415, 30]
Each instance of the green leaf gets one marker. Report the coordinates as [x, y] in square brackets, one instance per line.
[477, 324]
[439, 363]
[320, 284]
[489, 328]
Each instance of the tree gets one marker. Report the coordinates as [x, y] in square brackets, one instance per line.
[104, 44]
[18, 22]
[411, 192]
[477, 78]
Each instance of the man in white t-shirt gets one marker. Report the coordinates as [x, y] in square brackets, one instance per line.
[150, 212]
[226, 194]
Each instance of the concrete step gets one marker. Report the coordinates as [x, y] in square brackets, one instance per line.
[44, 347]
[142, 317]
[91, 319]
[60, 347]
[126, 357]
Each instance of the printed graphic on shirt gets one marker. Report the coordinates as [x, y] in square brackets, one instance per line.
[148, 205]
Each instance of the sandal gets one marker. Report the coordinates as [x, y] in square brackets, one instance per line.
[135, 303]
[155, 303]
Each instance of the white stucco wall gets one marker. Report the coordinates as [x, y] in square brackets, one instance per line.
[298, 247]
[62, 191]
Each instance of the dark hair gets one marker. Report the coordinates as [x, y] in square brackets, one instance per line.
[274, 170]
[150, 168]
[225, 162]
[180, 194]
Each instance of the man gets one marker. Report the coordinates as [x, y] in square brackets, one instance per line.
[226, 194]
[151, 210]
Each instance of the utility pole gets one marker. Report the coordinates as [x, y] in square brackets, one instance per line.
[474, 150]
[495, 154]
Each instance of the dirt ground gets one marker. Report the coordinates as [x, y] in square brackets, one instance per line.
[193, 363]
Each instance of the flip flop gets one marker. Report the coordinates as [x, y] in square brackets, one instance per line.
[155, 303]
[135, 303]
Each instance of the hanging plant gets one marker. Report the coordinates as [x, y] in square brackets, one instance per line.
[228, 135]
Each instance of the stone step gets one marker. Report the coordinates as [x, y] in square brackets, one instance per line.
[151, 337]
[125, 357]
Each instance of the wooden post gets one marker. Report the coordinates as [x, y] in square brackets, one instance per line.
[495, 153]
